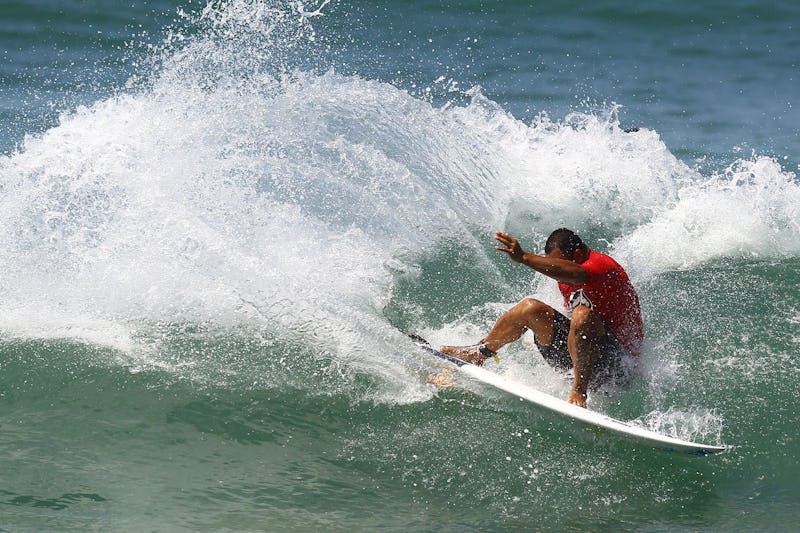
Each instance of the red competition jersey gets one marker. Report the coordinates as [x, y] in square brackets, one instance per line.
[613, 297]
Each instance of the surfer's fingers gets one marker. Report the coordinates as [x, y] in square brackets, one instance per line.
[505, 238]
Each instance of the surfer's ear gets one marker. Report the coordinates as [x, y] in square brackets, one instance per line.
[580, 255]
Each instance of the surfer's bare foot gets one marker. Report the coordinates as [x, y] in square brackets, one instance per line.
[470, 354]
[577, 398]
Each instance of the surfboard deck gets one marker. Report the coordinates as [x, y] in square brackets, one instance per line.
[598, 422]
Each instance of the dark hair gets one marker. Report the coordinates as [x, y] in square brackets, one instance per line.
[565, 240]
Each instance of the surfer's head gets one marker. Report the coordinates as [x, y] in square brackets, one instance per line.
[564, 242]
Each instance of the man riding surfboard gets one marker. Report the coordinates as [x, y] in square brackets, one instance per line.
[604, 321]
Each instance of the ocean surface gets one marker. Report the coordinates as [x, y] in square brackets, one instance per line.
[215, 215]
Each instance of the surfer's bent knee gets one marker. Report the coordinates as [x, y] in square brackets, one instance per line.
[585, 320]
[534, 307]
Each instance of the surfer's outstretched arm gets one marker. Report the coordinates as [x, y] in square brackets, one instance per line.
[551, 265]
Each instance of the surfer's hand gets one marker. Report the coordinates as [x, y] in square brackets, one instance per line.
[510, 246]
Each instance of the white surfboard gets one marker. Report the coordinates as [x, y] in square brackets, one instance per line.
[597, 421]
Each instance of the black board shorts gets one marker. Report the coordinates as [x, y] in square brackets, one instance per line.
[612, 365]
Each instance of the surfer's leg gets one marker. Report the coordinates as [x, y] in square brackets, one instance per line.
[527, 314]
[585, 335]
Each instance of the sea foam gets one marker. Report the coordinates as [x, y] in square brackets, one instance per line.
[230, 186]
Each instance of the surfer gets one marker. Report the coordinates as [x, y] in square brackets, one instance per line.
[604, 322]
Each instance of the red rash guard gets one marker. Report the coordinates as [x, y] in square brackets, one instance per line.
[614, 299]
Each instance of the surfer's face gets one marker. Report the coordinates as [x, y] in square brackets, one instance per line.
[556, 253]
[578, 256]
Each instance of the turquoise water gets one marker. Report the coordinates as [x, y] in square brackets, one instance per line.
[213, 216]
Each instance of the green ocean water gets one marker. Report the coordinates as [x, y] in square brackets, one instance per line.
[94, 444]
[214, 216]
